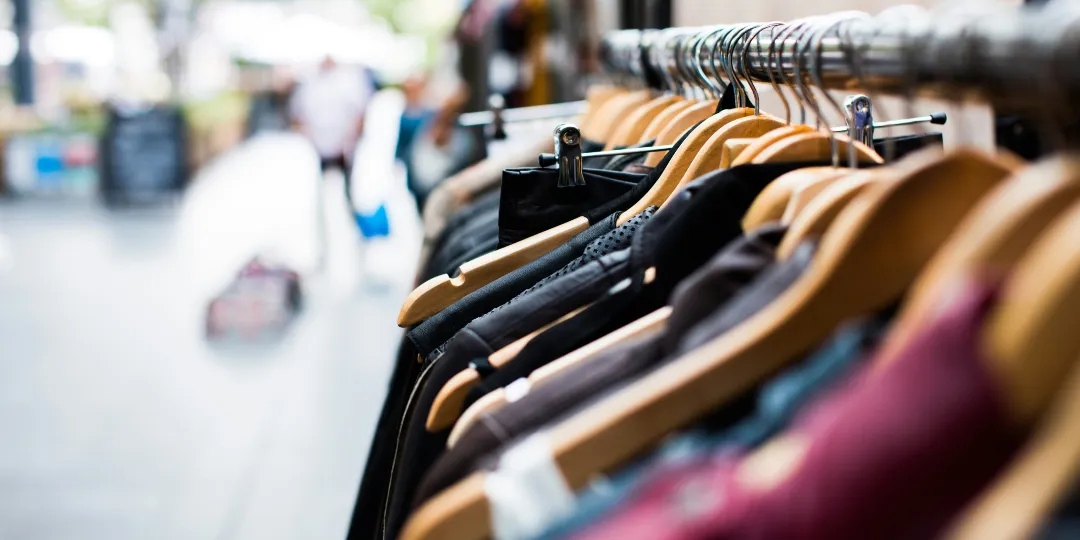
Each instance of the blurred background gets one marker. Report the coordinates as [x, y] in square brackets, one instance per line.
[157, 154]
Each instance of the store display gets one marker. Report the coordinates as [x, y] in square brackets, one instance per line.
[698, 318]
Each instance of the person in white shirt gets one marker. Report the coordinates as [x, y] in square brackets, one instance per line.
[328, 109]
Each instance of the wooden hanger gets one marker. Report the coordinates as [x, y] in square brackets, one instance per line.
[595, 97]
[613, 111]
[799, 182]
[815, 146]
[632, 128]
[1032, 346]
[447, 405]
[680, 161]
[488, 403]
[732, 149]
[866, 260]
[437, 293]
[664, 118]
[816, 218]
[708, 159]
[1036, 482]
[767, 140]
[805, 192]
[991, 239]
[679, 125]
[770, 204]
[1031, 336]
[494, 400]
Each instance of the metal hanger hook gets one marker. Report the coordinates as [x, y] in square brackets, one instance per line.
[817, 43]
[795, 32]
[771, 66]
[745, 63]
[717, 57]
[685, 62]
[737, 69]
[726, 60]
[700, 61]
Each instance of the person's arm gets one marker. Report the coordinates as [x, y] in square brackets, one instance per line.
[446, 116]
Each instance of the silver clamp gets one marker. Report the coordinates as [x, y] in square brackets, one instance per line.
[860, 119]
[568, 155]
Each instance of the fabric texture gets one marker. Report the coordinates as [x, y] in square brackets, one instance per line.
[768, 286]
[420, 448]
[609, 313]
[778, 401]
[459, 191]
[706, 290]
[611, 242]
[422, 340]
[526, 491]
[445, 250]
[441, 327]
[894, 452]
[698, 221]
[532, 199]
[437, 329]
[574, 286]
[578, 386]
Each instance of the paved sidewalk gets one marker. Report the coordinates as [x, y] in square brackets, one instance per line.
[119, 422]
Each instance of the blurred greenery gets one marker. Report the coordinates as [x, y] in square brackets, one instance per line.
[93, 13]
[226, 107]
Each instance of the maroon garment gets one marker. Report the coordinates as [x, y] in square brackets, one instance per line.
[892, 453]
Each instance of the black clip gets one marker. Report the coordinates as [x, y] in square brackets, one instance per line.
[568, 155]
[497, 128]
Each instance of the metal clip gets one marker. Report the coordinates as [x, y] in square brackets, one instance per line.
[568, 155]
[860, 119]
[938, 118]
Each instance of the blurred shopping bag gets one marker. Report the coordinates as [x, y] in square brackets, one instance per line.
[373, 164]
[257, 305]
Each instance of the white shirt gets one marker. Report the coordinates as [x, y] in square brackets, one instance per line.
[527, 493]
[330, 105]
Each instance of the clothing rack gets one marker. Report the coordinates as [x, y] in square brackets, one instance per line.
[996, 54]
[522, 114]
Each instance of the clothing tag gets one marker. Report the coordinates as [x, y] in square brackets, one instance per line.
[527, 493]
[517, 389]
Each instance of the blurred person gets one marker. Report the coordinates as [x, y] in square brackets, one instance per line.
[328, 109]
[439, 148]
[415, 118]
